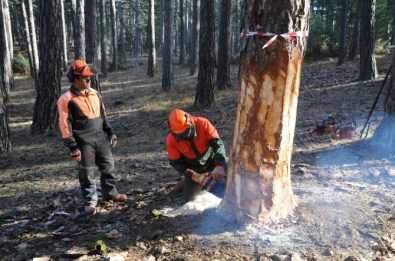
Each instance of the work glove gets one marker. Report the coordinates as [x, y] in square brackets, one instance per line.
[76, 155]
[218, 173]
[113, 140]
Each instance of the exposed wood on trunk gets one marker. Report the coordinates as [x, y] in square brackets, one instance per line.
[259, 176]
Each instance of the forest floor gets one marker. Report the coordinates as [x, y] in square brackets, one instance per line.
[345, 189]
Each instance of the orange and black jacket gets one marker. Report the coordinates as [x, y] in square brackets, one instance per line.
[201, 153]
[82, 117]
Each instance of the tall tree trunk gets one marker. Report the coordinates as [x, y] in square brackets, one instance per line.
[167, 64]
[5, 141]
[80, 31]
[259, 173]
[223, 72]
[137, 39]
[151, 40]
[121, 29]
[64, 36]
[182, 57]
[175, 25]
[103, 49]
[236, 30]
[206, 78]
[114, 44]
[91, 32]
[48, 91]
[367, 61]
[5, 55]
[354, 43]
[161, 27]
[342, 32]
[8, 28]
[195, 36]
[27, 35]
[33, 39]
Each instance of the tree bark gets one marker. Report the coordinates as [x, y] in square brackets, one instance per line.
[5, 141]
[206, 78]
[367, 61]
[182, 58]
[223, 72]
[137, 39]
[33, 39]
[80, 31]
[27, 35]
[354, 43]
[5, 55]
[48, 91]
[151, 40]
[259, 173]
[114, 44]
[103, 49]
[195, 37]
[91, 32]
[342, 33]
[167, 64]
[64, 36]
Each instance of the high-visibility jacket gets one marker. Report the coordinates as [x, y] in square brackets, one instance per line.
[82, 117]
[201, 153]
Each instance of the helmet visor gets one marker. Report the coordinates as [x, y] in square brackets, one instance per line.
[183, 135]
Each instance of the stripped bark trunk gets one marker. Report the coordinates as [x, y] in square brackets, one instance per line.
[259, 176]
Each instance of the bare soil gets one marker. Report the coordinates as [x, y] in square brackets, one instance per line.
[344, 188]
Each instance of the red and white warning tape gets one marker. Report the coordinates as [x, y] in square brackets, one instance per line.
[289, 36]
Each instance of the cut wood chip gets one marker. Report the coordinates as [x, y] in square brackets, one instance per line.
[114, 234]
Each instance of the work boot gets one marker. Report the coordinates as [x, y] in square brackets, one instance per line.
[120, 198]
[90, 210]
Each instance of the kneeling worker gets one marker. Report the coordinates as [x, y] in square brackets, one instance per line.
[196, 151]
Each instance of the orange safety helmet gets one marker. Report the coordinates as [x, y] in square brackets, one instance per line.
[78, 68]
[179, 121]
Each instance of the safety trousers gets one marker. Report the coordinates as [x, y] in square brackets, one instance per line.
[97, 154]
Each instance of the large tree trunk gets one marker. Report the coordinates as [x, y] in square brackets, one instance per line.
[367, 61]
[48, 91]
[223, 72]
[167, 64]
[259, 175]
[151, 40]
[195, 37]
[206, 78]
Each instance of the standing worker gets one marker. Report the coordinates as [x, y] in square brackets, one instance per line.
[87, 133]
[196, 151]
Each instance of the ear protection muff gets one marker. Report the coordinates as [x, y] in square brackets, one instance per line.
[70, 74]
